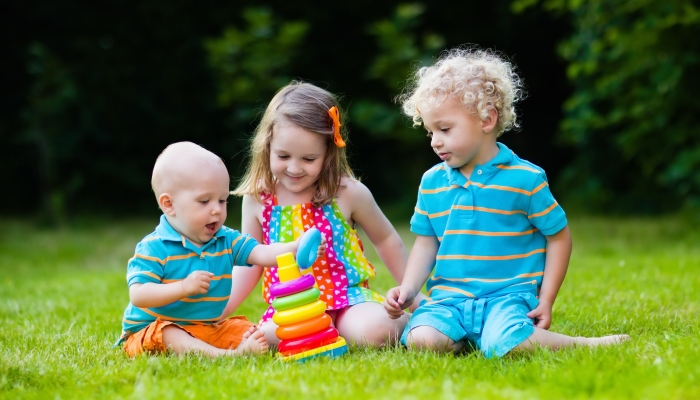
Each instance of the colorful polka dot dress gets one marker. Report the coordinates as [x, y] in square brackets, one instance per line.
[342, 274]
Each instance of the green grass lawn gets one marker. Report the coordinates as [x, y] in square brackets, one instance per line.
[62, 294]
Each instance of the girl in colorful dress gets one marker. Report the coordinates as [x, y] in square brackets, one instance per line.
[299, 177]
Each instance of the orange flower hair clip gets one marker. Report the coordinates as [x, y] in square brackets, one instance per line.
[335, 116]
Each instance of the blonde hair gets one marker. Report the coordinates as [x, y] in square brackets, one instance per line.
[480, 79]
[306, 106]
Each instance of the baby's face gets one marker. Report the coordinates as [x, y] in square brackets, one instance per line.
[200, 203]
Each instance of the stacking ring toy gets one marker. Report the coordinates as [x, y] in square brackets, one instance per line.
[288, 347]
[296, 300]
[295, 286]
[308, 248]
[299, 314]
[304, 328]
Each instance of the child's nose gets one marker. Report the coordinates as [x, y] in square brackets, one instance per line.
[218, 208]
[293, 167]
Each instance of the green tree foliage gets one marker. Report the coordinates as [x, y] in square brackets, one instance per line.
[49, 119]
[105, 86]
[400, 48]
[632, 117]
[250, 64]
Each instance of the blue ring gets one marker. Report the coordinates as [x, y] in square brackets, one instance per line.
[308, 247]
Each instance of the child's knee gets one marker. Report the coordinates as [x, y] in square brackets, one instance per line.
[385, 330]
[428, 338]
[376, 331]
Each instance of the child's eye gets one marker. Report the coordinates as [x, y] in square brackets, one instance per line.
[282, 157]
[444, 129]
[309, 159]
[223, 201]
[204, 201]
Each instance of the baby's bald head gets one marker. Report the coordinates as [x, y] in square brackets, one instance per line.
[180, 164]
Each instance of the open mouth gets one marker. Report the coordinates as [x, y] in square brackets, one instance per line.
[211, 227]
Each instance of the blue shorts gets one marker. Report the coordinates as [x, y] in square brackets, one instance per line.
[494, 325]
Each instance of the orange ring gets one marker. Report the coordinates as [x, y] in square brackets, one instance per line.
[303, 328]
[318, 339]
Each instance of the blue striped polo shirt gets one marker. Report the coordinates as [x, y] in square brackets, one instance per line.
[491, 227]
[165, 256]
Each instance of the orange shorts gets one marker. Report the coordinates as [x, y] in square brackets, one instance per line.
[227, 334]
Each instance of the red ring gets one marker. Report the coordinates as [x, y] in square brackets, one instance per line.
[318, 339]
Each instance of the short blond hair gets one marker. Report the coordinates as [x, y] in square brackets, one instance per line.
[480, 79]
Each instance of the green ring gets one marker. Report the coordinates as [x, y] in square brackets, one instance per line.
[296, 300]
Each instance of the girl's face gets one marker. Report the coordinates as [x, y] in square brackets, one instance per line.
[296, 157]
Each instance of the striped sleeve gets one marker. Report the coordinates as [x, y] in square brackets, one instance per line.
[544, 212]
[420, 222]
[145, 266]
[241, 246]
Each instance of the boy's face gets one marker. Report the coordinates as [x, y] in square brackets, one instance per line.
[199, 204]
[457, 136]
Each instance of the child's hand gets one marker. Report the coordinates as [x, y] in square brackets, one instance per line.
[396, 300]
[197, 283]
[416, 301]
[542, 315]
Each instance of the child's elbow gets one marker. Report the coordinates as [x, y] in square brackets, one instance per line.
[136, 296]
[137, 302]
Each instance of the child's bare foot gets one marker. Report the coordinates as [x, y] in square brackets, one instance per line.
[607, 340]
[253, 343]
[247, 334]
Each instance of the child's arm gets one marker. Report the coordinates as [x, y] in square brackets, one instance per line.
[265, 255]
[147, 295]
[420, 264]
[556, 263]
[243, 279]
[381, 233]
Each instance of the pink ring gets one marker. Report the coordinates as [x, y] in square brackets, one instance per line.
[318, 339]
[294, 286]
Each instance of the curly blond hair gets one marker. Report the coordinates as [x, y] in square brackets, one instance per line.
[481, 79]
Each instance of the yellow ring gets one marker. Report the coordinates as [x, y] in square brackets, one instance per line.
[299, 314]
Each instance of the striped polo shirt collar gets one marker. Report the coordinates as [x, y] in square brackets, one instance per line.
[166, 232]
[454, 177]
[504, 156]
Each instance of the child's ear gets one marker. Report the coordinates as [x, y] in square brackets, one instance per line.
[489, 123]
[165, 202]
